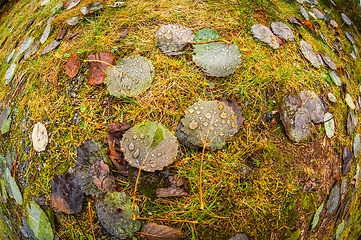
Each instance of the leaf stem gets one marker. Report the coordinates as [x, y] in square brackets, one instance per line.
[100, 61]
[200, 179]
[90, 219]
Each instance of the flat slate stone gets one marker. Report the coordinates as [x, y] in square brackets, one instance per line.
[315, 105]
[352, 121]
[265, 35]
[282, 31]
[46, 32]
[304, 12]
[356, 145]
[333, 200]
[10, 73]
[295, 118]
[318, 13]
[346, 19]
[349, 101]
[334, 23]
[329, 125]
[10, 56]
[39, 137]
[332, 97]
[54, 44]
[347, 160]
[326, 59]
[335, 78]
[349, 36]
[307, 51]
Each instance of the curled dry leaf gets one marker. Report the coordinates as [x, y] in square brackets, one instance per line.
[153, 231]
[61, 34]
[98, 66]
[72, 66]
[101, 176]
[114, 136]
[175, 190]
[66, 195]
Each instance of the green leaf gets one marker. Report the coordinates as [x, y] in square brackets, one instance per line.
[39, 222]
[13, 188]
[206, 35]
[130, 77]
[216, 58]
[340, 229]
[149, 145]
[317, 216]
[5, 120]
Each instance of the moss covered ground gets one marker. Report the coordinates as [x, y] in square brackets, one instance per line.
[252, 185]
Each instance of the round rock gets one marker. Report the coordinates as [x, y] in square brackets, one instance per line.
[39, 137]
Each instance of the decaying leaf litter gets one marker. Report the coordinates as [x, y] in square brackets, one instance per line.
[80, 112]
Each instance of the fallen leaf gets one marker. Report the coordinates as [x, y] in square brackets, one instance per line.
[61, 34]
[5, 120]
[101, 176]
[72, 66]
[175, 190]
[66, 195]
[308, 24]
[153, 231]
[294, 20]
[39, 222]
[124, 33]
[114, 135]
[97, 70]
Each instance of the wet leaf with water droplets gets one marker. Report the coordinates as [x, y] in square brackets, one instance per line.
[197, 129]
[216, 58]
[130, 77]
[154, 147]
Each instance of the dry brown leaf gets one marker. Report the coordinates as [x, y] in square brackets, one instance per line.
[102, 177]
[175, 190]
[153, 231]
[72, 66]
[114, 135]
[98, 66]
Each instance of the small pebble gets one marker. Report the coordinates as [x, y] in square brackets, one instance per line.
[349, 101]
[332, 97]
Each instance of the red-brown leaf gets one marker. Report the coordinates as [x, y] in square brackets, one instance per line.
[61, 34]
[102, 177]
[153, 231]
[114, 135]
[66, 195]
[72, 66]
[97, 67]
[175, 190]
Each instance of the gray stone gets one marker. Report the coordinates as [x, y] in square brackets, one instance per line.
[349, 36]
[304, 12]
[335, 78]
[72, 4]
[312, 15]
[30, 50]
[23, 47]
[318, 13]
[46, 32]
[10, 73]
[315, 105]
[332, 97]
[54, 44]
[356, 145]
[346, 19]
[44, 3]
[93, 7]
[334, 23]
[239, 236]
[347, 160]
[352, 121]
[265, 35]
[333, 200]
[326, 59]
[39, 137]
[349, 101]
[10, 56]
[282, 31]
[329, 125]
[307, 51]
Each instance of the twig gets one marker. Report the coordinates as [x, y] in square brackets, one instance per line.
[90, 219]
[170, 220]
[186, 159]
[200, 178]
[100, 61]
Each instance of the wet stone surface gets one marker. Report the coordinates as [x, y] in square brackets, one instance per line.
[335, 78]
[333, 200]
[347, 160]
[308, 53]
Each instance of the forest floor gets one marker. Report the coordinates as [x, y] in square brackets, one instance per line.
[260, 183]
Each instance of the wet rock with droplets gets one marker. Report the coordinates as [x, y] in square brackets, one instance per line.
[308, 53]
[346, 19]
[216, 59]
[282, 31]
[149, 146]
[295, 118]
[39, 137]
[173, 39]
[209, 124]
[329, 125]
[356, 145]
[130, 77]
[333, 200]
[335, 78]
[265, 35]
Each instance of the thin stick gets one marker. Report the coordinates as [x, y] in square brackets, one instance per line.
[186, 159]
[200, 179]
[170, 220]
[90, 218]
[135, 189]
[99, 61]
